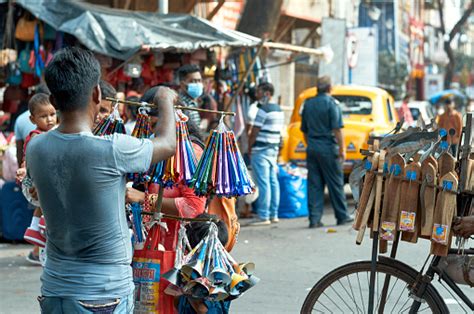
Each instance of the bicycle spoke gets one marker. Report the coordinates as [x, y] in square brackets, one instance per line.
[407, 308]
[332, 302]
[454, 297]
[360, 291]
[424, 309]
[396, 302]
[323, 306]
[348, 295]
[344, 301]
[353, 296]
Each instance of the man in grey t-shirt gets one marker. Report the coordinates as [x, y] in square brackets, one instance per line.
[80, 180]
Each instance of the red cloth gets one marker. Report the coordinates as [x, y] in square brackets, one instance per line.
[189, 205]
[28, 139]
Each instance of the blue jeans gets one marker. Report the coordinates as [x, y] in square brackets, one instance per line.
[265, 170]
[325, 169]
[57, 305]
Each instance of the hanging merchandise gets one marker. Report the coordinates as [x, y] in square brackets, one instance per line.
[208, 272]
[13, 74]
[25, 28]
[110, 125]
[133, 70]
[182, 166]
[142, 130]
[38, 52]
[23, 60]
[221, 170]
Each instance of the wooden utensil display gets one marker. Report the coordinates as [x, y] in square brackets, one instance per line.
[409, 193]
[429, 174]
[446, 163]
[378, 190]
[371, 165]
[391, 202]
[445, 211]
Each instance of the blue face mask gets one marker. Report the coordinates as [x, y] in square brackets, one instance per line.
[195, 90]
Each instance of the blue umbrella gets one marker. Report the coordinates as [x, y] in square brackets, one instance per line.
[444, 94]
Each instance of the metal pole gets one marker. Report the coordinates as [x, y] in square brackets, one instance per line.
[373, 271]
[386, 283]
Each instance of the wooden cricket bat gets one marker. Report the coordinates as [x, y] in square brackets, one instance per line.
[391, 202]
[446, 163]
[378, 191]
[409, 193]
[445, 211]
[429, 174]
[371, 165]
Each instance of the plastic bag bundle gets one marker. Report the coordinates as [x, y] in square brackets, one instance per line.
[110, 125]
[182, 166]
[221, 170]
[208, 271]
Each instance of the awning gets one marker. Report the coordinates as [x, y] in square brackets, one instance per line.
[120, 33]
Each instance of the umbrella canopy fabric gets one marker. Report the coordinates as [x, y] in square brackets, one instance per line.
[445, 94]
[120, 33]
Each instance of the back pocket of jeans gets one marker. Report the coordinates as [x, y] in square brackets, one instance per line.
[100, 306]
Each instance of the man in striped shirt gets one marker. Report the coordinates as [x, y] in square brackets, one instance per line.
[190, 89]
[264, 142]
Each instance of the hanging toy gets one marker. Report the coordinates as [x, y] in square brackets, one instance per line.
[181, 167]
[221, 170]
[136, 210]
[142, 130]
[111, 124]
[208, 271]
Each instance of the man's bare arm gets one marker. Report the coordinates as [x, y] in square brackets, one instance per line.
[253, 137]
[340, 141]
[164, 143]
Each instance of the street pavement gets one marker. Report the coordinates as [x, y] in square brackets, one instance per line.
[289, 258]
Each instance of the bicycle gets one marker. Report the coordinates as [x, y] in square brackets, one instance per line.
[399, 288]
[368, 286]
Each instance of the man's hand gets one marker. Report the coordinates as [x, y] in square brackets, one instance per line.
[134, 196]
[464, 226]
[33, 193]
[20, 174]
[342, 155]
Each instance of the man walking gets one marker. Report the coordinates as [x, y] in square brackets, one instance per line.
[322, 127]
[80, 181]
[264, 142]
[451, 119]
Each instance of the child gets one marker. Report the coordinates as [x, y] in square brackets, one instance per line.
[43, 115]
[196, 231]
[106, 108]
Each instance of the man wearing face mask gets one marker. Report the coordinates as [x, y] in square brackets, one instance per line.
[190, 89]
[264, 142]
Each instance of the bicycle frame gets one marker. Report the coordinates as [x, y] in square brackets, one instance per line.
[424, 280]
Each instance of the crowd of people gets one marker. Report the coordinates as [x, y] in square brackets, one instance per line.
[89, 253]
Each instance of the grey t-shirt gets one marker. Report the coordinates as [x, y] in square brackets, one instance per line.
[80, 179]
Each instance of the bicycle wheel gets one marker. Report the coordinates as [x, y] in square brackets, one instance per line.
[346, 290]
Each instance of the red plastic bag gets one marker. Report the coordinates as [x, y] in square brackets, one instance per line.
[148, 266]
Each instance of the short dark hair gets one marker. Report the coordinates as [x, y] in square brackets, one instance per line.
[38, 99]
[198, 230]
[323, 84]
[187, 69]
[71, 76]
[43, 89]
[448, 100]
[406, 98]
[107, 89]
[132, 108]
[267, 87]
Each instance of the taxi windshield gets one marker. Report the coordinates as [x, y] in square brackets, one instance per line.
[354, 105]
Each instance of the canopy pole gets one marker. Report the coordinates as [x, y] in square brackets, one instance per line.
[247, 72]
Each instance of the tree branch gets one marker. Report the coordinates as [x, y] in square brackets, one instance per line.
[457, 28]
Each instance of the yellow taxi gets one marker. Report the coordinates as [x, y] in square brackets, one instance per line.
[366, 111]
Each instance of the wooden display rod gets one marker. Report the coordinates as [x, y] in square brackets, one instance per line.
[145, 104]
